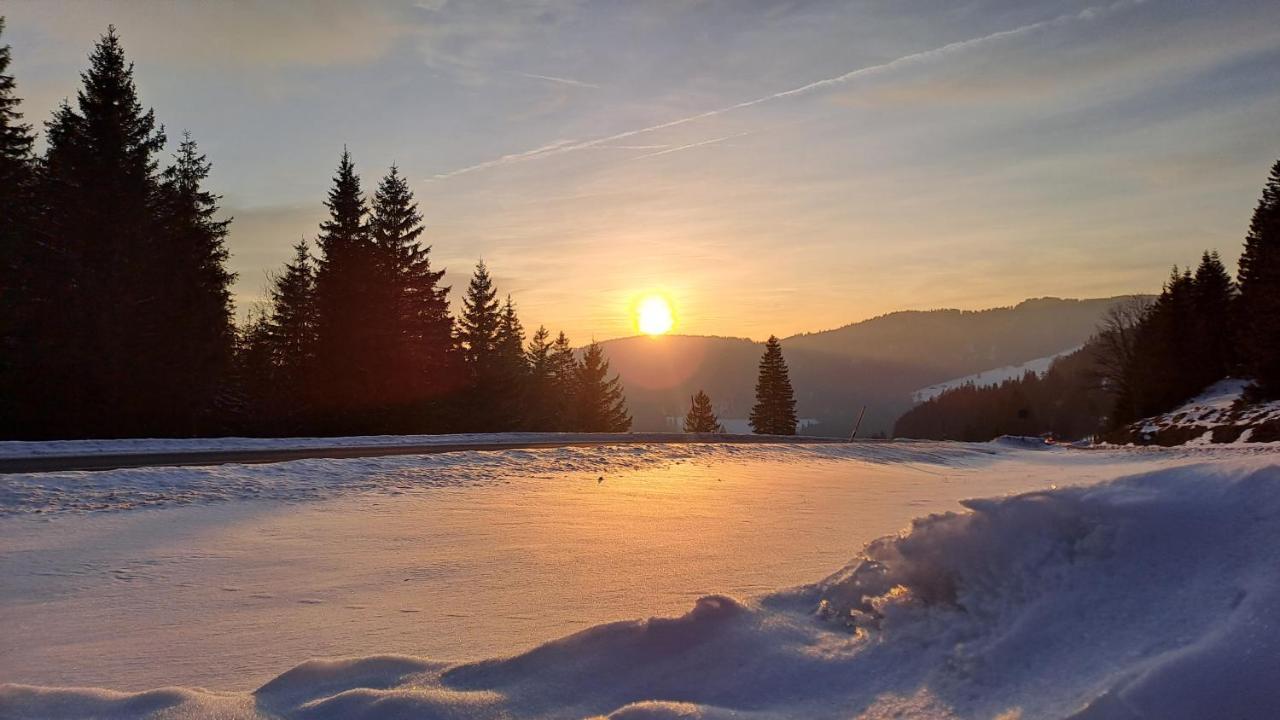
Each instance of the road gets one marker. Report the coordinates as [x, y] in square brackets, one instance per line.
[116, 461]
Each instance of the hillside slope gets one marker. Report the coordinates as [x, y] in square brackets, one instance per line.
[1217, 415]
[877, 363]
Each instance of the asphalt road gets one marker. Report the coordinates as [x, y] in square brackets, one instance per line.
[61, 463]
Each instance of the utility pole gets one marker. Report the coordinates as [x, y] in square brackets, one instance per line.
[858, 424]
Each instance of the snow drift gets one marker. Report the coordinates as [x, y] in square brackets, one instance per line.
[1151, 596]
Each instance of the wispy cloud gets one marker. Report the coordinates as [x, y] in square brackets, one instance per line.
[1088, 14]
[560, 80]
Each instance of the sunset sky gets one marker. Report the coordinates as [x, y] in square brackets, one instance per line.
[772, 167]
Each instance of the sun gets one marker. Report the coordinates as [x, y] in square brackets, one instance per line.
[654, 316]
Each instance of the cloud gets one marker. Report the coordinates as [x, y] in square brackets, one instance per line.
[1087, 15]
[246, 36]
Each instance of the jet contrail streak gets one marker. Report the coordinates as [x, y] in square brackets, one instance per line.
[561, 147]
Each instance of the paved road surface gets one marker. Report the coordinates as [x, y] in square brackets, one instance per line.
[58, 463]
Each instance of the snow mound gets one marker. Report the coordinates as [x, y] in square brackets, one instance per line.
[1152, 596]
[987, 378]
[1216, 416]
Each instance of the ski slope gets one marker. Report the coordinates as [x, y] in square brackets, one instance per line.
[995, 376]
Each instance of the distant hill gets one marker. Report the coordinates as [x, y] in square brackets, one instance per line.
[877, 362]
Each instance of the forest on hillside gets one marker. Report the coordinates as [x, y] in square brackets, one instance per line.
[1146, 359]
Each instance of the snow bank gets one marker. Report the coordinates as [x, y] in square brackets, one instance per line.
[987, 378]
[1151, 596]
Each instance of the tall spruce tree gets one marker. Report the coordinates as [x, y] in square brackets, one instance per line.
[775, 410]
[345, 390]
[1259, 304]
[479, 331]
[512, 369]
[1214, 298]
[540, 393]
[564, 373]
[411, 313]
[291, 334]
[200, 327]
[1161, 371]
[16, 175]
[16, 138]
[101, 312]
[701, 418]
[599, 404]
[16, 248]
[255, 377]
[478, 325]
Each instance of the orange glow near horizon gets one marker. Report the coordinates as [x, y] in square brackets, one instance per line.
[654, 315]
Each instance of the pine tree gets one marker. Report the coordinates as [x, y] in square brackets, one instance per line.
[540, 393]
[410, 311]
[511, 369]
[564, 373]
[599, 402]
[100, 311]
[1214, 299]
[479, 330]
[1161, 372]
[1259, 304]
[17, 246]
[478, 326]
[201, 333]
[256, 378]
[775, 410]
[16, 167]
[291, 337]
[701, 417]
[345, 381]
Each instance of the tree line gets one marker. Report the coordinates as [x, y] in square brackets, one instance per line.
[1065, 402]
[116, 316]
[1205, 325]
[1148, 357]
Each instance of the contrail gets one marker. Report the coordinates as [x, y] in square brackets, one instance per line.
[678, 148]
[561, 147]
[560, 80]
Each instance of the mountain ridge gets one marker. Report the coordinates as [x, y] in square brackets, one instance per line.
[876, 362]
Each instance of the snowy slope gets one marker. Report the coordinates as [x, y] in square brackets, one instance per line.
[1149, 595]
[1040, 366]
[1215, 416]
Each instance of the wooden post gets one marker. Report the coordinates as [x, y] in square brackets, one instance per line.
[858, 424]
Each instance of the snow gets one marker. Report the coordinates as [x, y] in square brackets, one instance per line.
[1219, 406]
[1088, 584]
[987, 378]
[39, 448]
